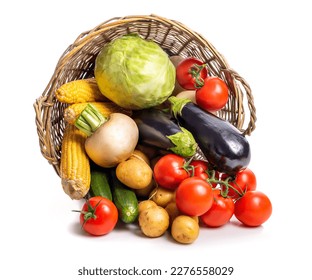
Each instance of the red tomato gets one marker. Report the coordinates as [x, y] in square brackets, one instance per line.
[188, 73]
[98, 216]
[220, 212]
[200, 168]
[253, 209]
[194, 196]
[170, 170]
[245, 180]
[213, 95]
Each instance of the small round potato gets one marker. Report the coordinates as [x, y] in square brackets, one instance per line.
[173, 211]
[162, 196]
[154, 221]
[134, 173]
[184, 229]
[146, 204]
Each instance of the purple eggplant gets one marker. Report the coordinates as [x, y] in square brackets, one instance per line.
[223, 145]
[158, 129]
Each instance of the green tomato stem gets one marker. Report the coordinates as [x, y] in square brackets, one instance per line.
[188, 167]
[225, 185]
[195, 72]
[90, 120]
[90, 213]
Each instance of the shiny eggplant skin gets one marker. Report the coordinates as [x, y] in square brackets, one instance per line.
[159, 129]
[223, 145]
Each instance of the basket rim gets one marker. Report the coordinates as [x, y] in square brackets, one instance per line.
[86, 36]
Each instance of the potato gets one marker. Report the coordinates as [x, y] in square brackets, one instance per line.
[134, 173]
[161, 196]
[196, 219]
[174, 195]
[145, 204]
[145, 192]
[173, 211]
[184, 229]
[140, 155]
[154, 221]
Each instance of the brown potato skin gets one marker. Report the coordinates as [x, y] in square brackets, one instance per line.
[173, 211]
[184, 229]
[140, 155]
[146, 204]
[145, 192]
[134, 173]
[154, 221]
[162, 196]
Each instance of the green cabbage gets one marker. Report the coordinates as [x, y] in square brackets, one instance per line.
[134, 73]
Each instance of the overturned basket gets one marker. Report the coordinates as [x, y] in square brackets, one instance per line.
[78, 60]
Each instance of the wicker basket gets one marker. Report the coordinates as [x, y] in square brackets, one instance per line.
[78, 60]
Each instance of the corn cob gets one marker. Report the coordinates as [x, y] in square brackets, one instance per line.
[75, 165]
[84, 90]
[72, 112]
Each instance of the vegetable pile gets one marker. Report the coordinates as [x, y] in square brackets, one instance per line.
[143, 145]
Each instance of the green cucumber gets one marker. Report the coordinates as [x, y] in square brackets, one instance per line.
[125, 200]
[100, 184]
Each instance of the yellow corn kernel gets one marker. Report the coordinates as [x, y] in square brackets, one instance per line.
[73, 111]
[75, 165]
[84, 90]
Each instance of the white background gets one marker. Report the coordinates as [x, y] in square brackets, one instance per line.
[266, 42]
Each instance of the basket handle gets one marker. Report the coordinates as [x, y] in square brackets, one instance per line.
[246, 90]
[46, 148]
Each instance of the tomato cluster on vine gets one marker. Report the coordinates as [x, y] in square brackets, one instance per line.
[213, 196]
[212, 92]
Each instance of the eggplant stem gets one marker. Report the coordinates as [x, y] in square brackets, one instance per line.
[177, 104]
[184, 143]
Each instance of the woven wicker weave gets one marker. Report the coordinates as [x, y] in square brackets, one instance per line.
[78, 60]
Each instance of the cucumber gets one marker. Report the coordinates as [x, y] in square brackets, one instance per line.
[100, 184]
[125, 200]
